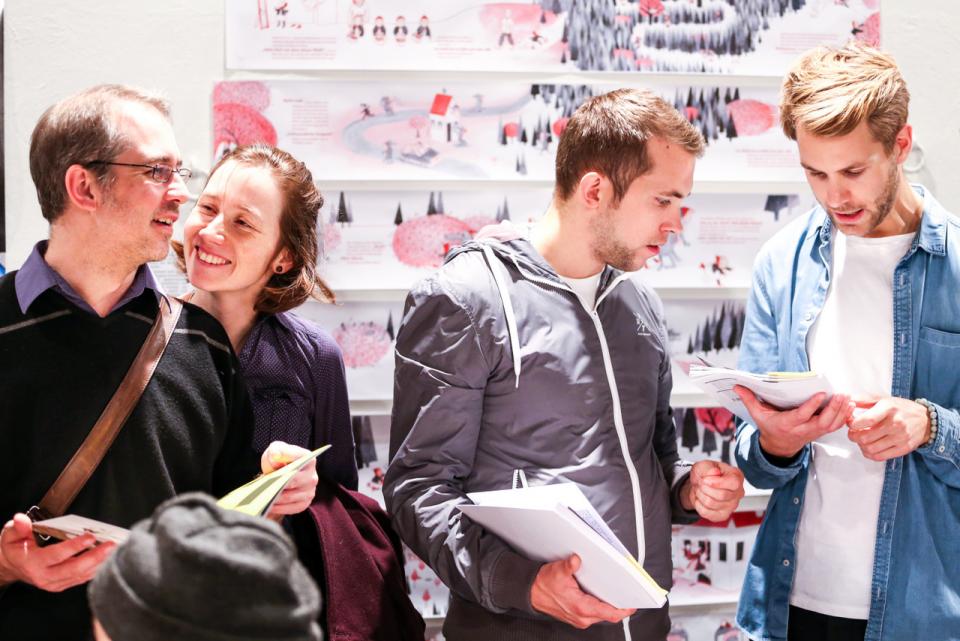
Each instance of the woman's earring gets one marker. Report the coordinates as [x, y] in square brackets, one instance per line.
[279, 269]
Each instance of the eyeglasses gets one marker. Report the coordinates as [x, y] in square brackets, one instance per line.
[159, 173]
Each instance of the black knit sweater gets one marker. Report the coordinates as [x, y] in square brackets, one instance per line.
[59, 366]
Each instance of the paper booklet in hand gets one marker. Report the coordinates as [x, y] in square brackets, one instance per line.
[551, 522]
[783, 390]
[254, 498]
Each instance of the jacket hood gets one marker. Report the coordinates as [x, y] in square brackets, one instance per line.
[505, 244]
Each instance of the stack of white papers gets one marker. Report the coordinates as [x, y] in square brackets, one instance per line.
[783, 390]
[551, 522]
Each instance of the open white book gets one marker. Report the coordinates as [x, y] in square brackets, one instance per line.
[783, 390]
[254, 498]
[551, 522]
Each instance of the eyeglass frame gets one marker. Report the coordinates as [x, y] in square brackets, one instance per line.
[183, 172]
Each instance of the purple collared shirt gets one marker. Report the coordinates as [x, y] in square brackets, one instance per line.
[36, 277]
[294, 371]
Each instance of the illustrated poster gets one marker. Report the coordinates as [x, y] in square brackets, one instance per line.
[759, 37]
[390, 240]
[366, 334]
[478, 131]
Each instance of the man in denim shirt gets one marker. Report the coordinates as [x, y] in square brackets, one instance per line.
[861, 538]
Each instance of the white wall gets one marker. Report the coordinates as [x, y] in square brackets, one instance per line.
[54, 47]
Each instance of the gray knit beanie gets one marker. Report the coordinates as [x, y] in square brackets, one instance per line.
[196, 572]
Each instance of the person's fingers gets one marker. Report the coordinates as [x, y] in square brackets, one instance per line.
[83, 566]
[59, 552]
[572, 564]
[830, 412]
[884, 452]
[728, 479]
[751, 402]
[865, 403]
[807, 409]
[871, 417]
[719, 496]
[589, 607]
[867, 437]
[278, 454]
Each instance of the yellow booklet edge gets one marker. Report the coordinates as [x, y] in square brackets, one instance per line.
[256, 497]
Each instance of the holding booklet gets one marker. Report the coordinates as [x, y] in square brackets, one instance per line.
[782, 390]
[254, 498]
[551, 522]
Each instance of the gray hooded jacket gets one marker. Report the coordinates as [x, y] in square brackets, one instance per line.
[499, 367]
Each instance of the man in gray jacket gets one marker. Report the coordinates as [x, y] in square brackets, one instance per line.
[548, 357]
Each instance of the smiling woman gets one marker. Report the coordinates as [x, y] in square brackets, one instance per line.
[250, 251]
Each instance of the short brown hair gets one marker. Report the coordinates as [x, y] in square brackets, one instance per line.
[76, 131]
[830, 91]
[298, 229]
[609, 133]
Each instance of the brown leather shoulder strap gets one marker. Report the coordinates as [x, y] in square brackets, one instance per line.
[86, 459]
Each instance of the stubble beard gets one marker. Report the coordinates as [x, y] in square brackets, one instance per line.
[607, 248]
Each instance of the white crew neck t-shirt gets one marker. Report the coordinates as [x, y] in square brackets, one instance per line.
[585, 288]
[851, 343]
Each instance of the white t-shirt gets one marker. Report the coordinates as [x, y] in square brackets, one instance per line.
[585, 288]
[852, 344]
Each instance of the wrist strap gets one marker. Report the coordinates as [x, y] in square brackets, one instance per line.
[86, 459]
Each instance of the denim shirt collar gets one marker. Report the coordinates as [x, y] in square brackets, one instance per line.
[931, 237]
[37, 276]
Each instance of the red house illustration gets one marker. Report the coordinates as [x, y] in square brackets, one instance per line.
[444, 118]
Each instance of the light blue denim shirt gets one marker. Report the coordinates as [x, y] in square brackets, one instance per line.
[916, 572]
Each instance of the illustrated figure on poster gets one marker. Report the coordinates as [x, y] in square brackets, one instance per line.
[720, 267]
[506, 28]
[358, 9]
[536, 40]
[379, 29]
[694, 569]
[365, 111]
[678, 633]
[386, 102]
[726, 631]
[282, 9]
[423, 31]
[388, 151]
[400, 30]
[356, 27]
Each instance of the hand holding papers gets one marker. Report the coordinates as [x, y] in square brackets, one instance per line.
[551, 522]
[782, 390]
[254, 498]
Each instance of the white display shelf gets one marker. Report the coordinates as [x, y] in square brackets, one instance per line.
[383, 407]
[699, 187]
[665, 293]
[620, 79]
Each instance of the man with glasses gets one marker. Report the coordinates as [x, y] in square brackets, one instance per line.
[108, 178]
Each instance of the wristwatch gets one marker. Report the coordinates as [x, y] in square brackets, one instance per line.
[934, 419]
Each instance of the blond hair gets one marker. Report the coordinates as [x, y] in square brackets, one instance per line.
[830, 91]
[609, 133]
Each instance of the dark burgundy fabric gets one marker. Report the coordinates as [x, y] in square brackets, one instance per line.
[346, 542]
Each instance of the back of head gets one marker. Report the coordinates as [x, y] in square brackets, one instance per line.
[77, 130]
[608, 134]
[830, 91]
[196, 572]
